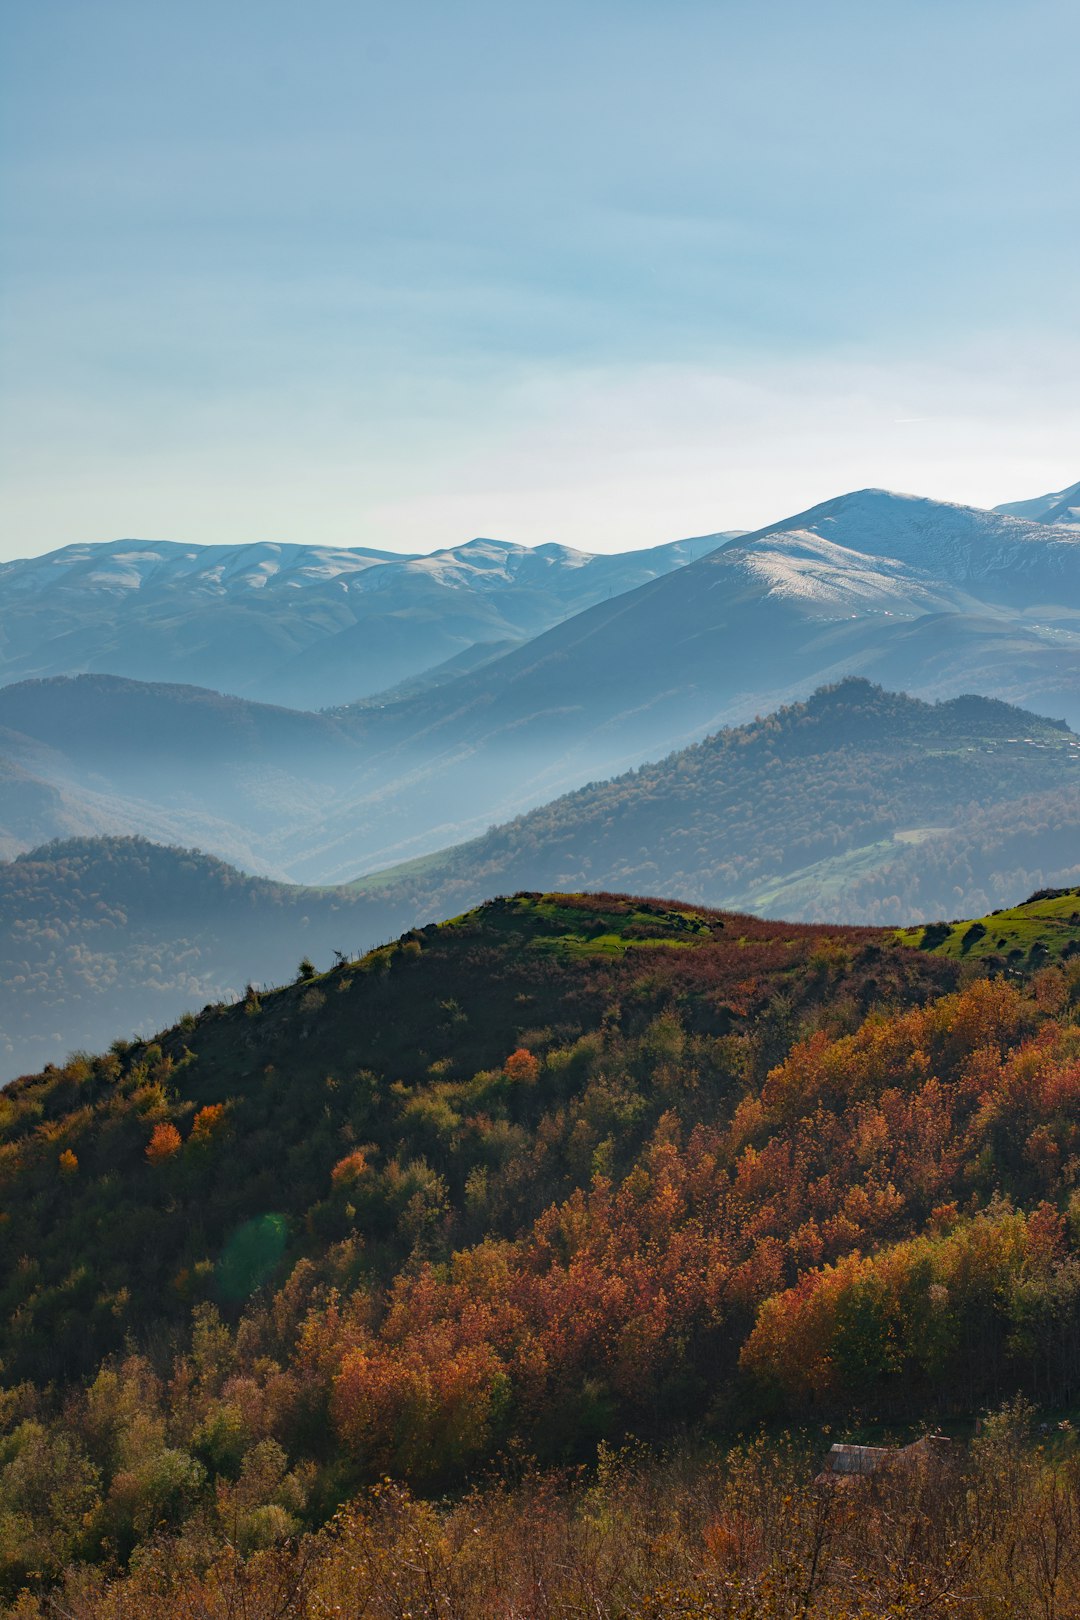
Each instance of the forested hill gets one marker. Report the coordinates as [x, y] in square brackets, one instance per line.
[559, 1171]
[101, 937]
[859, 805]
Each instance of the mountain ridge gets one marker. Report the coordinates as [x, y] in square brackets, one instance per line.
[307, 626]
[756, 623]
[1061, 506]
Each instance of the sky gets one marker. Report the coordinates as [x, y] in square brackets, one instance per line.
[604, 272]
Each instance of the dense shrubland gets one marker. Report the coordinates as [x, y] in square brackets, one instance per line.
[563, 1172]
[702, 1534]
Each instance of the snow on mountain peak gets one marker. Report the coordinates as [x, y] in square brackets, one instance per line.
[800, 565]
[960, 546]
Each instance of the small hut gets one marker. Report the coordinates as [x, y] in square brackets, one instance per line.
[846, 1462]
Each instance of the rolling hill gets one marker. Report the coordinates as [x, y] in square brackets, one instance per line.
[1041, 930]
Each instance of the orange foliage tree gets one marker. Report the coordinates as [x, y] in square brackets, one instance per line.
[164, 1143]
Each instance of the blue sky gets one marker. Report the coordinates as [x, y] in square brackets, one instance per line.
[605, 273]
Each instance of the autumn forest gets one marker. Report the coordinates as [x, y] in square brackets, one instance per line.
[463, 1231]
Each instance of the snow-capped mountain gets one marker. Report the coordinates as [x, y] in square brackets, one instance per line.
[1063, 506]
[994, 557]
[922, 596]
[308, 626]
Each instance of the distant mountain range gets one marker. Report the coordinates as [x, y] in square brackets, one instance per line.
[918, 595]
[857, 806]
[306, 626]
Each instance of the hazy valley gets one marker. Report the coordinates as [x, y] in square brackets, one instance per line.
[920, 596]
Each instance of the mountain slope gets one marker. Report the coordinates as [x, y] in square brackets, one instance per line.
[999, 559]
[808, 813]
[301, 625]
[565, 1172]
[1063, 506]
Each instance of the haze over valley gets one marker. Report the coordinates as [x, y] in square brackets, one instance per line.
[597, 753]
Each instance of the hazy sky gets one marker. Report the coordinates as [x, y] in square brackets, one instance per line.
[602, 271]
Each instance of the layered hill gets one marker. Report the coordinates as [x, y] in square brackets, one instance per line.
[858, 805]
[179, 764]
[563, 1171]
[306, 626]
[921, 595]
[918, 595]
[35, 812]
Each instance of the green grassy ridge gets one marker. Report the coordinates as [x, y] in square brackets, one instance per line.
[1044, 928]
[587, 925]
